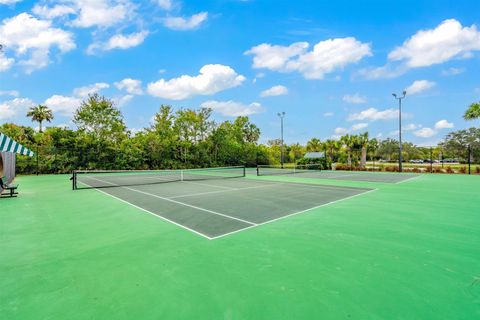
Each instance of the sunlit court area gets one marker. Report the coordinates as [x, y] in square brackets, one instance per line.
[180, 159]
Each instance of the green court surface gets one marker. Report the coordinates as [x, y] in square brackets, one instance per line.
[403, 251]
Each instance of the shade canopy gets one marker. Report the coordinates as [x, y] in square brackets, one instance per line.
[7, 144]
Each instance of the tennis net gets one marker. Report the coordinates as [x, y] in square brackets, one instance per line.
[87, 179]
[269, 170]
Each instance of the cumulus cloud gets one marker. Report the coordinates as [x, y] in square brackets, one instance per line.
[123, 100]
[10, 108]
[419, 86]
[213, 78]
[355, 99]
[33, 39]
[452, 71]
[83, 92]
[9, 2]
[99, 13]
[410, 127]
[428, 47]
[119, 41]
[56, 11]
[328, 114]
[341, 131]
[373, 114]
[165, 4]
[131, 86]
[13, 93]
[63, 105]
[5, 63]
[325, 57]
[443, 124]
[274, 91]
[181, 23]
[425, 133]
[359, 126]
[232, 108]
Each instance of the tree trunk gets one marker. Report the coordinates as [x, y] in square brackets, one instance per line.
[363, 161]
[40, 126]
[349, 159]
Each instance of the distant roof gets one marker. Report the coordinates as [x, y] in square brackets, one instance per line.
[314, 155]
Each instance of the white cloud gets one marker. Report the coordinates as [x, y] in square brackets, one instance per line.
[232, 108]
[13, 93]
[100, 13]
[180, 23]
[274, 91]
[63, 105]
[83, 92]
[325, 57]
[387, 72]
[410, 127]
[213, 78]
[341, 131]
[425, 133]
[34, 39]
[373, 114]
[359, 126]
[443, 124]
[131, 86]
[452, 71]
[10, 108]
[328, 114]
[275, 57]
[123, 100]
[119, 41]
[355, 99]
[419, 86]
[165, 4]
[9, 2]
[5, 63]
[52, 12]
[427, 47]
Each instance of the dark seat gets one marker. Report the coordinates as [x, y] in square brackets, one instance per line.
[12, 189]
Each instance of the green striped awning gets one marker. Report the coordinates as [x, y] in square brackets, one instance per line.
[9, 145]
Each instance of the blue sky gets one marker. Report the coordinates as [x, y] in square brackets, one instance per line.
[330, 65]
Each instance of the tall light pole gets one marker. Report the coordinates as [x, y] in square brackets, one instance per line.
[281, 115]
[400, 127]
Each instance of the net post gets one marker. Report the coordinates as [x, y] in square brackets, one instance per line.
[74, 180]
[258, 171]
[244, 170]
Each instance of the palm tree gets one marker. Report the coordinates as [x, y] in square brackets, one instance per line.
[40, 113]
[373, 146]
[473, 112]
[362, 140]
[331, 146]
[314, 145]
[349, 142]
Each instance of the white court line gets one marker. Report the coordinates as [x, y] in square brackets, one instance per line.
[409, 179]
[209, 185]
[252, 225]
[293, 214]
[221, 191]
[150, 212]
[180, 203]
[201, 184]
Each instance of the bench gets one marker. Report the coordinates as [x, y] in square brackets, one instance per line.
[12, 189]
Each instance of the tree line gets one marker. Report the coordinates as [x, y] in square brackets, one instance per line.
[190, 138]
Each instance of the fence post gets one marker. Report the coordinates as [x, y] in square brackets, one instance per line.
[469, 158]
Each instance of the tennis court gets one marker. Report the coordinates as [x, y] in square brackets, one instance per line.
[212, 202]
[306, 172]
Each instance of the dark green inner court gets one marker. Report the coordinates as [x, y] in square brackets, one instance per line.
[404, 251]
